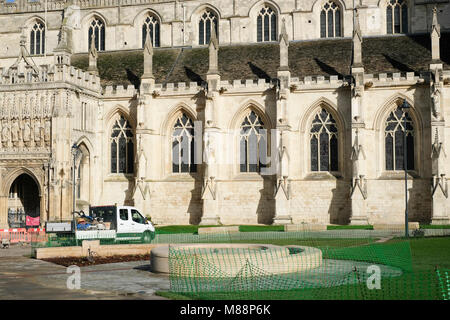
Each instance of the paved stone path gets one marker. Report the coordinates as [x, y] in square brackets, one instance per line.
[22, 277]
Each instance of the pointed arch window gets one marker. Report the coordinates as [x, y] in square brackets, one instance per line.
[330, 20]
[397, 16]
[266, 29]
[324, 142]
[394, 140]
[122, 146]
[183, 145]
[97, 30]
[207, 18]
[37, 39]
[253, 144]
[151, 26]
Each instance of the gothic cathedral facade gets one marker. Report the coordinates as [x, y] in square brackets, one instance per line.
[225, 112]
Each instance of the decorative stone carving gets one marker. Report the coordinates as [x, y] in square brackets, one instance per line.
[47, 132]
[15, 132]
[26, 132]
[436, 103]
[5, 133]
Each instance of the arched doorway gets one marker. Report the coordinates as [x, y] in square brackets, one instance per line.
[23, 201]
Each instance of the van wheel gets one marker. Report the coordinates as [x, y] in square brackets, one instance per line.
[146, 238]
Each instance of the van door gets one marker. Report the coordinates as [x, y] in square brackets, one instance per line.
[124, 221]
[138, 221]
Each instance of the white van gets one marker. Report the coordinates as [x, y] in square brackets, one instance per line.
[121, 223]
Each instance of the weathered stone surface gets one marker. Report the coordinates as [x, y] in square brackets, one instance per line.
[213, 230]
[411, 226]
[305, 227]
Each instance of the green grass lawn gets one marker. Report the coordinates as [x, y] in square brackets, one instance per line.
[433, 226]
[425, 254]
[244, 228]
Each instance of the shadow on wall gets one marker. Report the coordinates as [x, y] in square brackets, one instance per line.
[419, 201]
[340, 204]
[195, 203]
[266, 205]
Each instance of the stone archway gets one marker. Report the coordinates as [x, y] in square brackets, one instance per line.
[23, 200]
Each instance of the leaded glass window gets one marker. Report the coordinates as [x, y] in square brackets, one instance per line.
[397, 16]
[37, 39]
[330, 20]
[97, 30]
[394, 140]
[266, 22]
[253, 143]
[205, 25]
[122, 147]
[151, 26]
[324, 142]
[183, 146]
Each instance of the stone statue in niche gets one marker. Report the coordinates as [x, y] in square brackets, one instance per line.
[5, 133]
[37, 132]
[47, 132]
[15, 132]
[27, 132]
[436, 103]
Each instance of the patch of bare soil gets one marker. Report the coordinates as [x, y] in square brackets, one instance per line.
[89, 261]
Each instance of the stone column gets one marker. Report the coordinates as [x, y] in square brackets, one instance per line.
[439, 193]
[211, 134]
[145, 133]
[281, 163]
[358, 193]
[210, 208]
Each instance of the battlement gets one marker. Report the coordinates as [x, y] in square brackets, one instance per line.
[397, 78]
[20, 6]
[260, 85]
[48, 74]
[309, 82]
[119, 91]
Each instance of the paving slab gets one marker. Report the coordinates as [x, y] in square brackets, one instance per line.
[22, 277]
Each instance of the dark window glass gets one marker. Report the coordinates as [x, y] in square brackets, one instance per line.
[183, 145]
[122, 147]
[323, 24]
[32, 41]
[399, 150]
[266, 28]
[389, 153]
[243, 154]
[330, 25]
[259, 28]
[123, 214]
[389, 19]
[113, 156]
[253, 136]
[324, 142]
[394, 141]
[201, 32]
[404, 19]
[397, 19]
[337, 15]
[273, 28]
[410, 151]
[130, 156]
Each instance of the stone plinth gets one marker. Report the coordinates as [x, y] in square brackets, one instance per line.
[399, 226]
[305, 227]
[213, 230]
